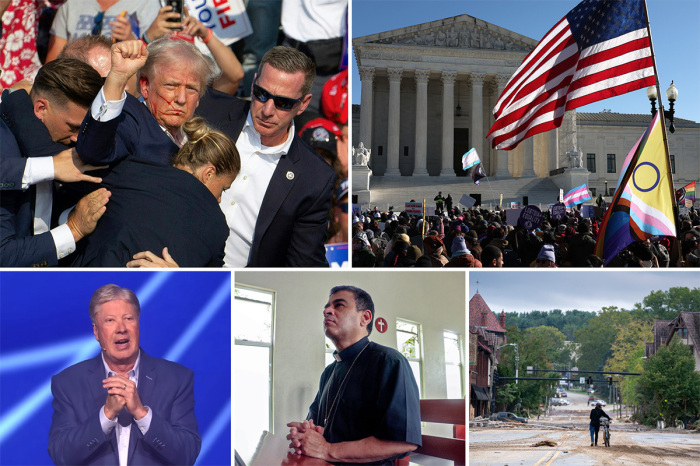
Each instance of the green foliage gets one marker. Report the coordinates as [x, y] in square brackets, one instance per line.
[670, 381]
[565, 322]
[506, 396]
[597, 337]
[666, 305]
[408, 348]
[538, 346]
[627, 353]
[543, 346]
[612, 340]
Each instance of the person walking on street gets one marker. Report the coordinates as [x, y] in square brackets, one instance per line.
[596, 414]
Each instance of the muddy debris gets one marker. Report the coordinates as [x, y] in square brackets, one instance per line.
[545, 443]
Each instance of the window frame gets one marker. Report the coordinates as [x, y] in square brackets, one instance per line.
[590, 162]
[419, 339]
[460, 348]
[611, 160]
[270, 345]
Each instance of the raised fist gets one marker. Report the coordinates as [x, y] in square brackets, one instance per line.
[128, 57]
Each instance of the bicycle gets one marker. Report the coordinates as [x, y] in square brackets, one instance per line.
[605, 424]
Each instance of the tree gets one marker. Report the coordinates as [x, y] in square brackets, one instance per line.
[671, 379]
[506, 395]
[666, 305]
[597, 336]
[539, 346]
[544, 346]
[566, 322]
[627, 353]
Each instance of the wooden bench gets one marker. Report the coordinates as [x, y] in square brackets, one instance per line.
[445, 412]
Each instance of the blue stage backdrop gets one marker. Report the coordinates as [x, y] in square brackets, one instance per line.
[45, 327]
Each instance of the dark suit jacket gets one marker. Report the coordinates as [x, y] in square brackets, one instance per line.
[135, 133]
[152, 207]
[167, 388]
[22, 135]
[291, 226]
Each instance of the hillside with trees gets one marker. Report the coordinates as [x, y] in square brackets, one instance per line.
[612, 340]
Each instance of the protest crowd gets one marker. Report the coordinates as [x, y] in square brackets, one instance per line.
[477, 237]
[110, 106]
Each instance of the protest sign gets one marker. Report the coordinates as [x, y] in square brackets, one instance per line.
[414, 208]
[558, 211]
[227, 19]
[467, 201]
[587, 211]
[512, 216]
[337, 255]
[531, 217]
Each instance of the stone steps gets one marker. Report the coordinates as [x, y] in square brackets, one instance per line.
[396, 190]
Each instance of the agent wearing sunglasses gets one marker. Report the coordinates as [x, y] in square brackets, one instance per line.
[277, 208]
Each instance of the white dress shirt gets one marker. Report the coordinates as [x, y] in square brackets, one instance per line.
[39, 171]
[123, 433]
[241, 202]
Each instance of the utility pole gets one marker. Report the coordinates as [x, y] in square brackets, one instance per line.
[627, 402]
[517, 362]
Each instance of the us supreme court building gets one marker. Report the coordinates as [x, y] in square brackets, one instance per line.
[427, 94]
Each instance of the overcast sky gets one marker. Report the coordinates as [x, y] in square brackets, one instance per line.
[529, 290]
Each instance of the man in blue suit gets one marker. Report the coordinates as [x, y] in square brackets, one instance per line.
[122, 407]
[40, 125]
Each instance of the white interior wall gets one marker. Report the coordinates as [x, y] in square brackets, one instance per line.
[436, 300]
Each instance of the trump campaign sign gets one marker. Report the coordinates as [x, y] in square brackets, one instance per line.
[226, 18]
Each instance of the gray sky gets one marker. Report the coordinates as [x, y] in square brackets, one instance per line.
[529, 290]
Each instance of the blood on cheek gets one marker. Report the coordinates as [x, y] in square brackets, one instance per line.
[168, 102]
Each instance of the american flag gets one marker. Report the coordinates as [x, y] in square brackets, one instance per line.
[600, 49]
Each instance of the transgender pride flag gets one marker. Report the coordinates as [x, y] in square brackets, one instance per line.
[470, 159]
[577, 196]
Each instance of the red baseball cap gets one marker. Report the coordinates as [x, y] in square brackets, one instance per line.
[334, 98]
[322, 133]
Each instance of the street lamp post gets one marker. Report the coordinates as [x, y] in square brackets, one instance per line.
[671, 95]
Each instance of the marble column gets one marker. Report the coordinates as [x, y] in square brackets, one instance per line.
[501, 155]
[394, 116]
[420, 166]
[528, 157]
[477, 115]
[367, 98]
[448, 122]
[553, 150]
